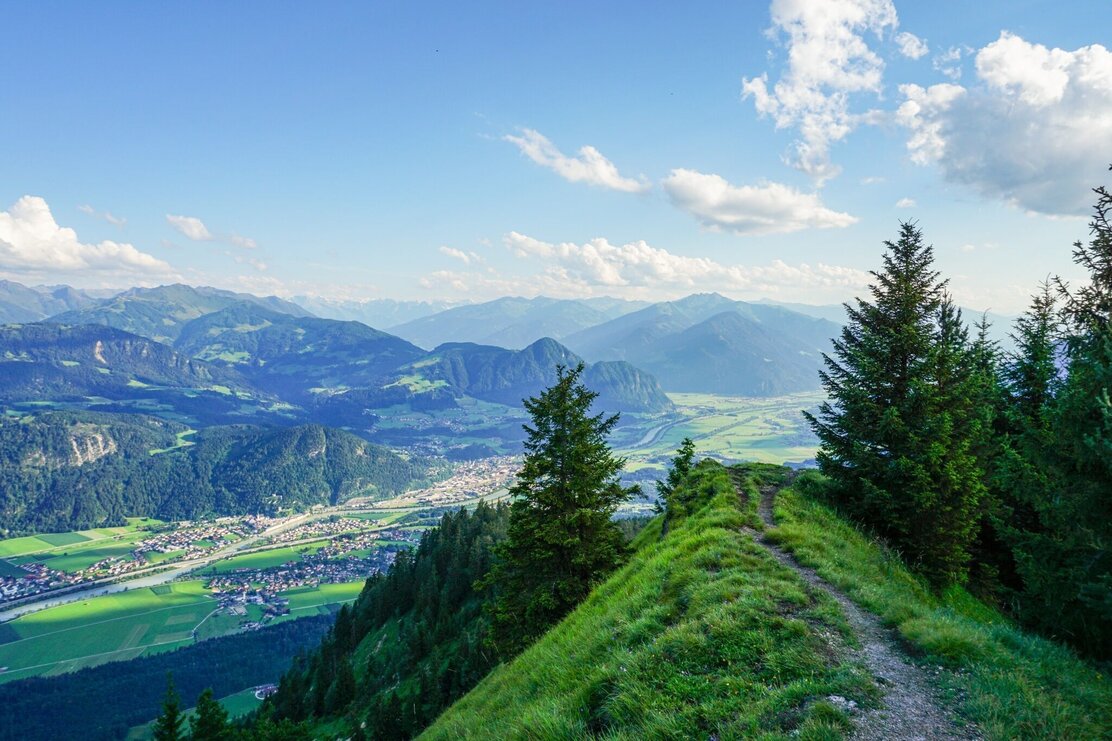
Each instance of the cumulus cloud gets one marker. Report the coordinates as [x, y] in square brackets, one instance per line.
[32, 243]
[905, 203]
[456, 254]
[911, 46]
[1030, 132]
[769, 208]
[588, 166]
[638, 269]
[191, 227]
[828, 61]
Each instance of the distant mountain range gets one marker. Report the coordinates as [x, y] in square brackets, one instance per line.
[381, 312]
[711, 344]
[160, 313]
[512, 322]
[20, 303]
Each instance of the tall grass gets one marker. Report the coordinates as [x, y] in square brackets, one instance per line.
[1013, 684]
[702, 634]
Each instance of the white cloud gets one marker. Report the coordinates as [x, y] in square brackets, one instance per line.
[191, 227]
[639, 270]
[465, 257]
[245, 242]
[259, 265]
[968, 247]
[32, 243]
[589, 166]
[911, 46]
[1034, 131]
[949, 62]
[905, 203]
[107, 215]
[769, 208]
[828, 61]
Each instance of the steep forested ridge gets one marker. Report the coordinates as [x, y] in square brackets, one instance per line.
[67, 471]
[411, 644]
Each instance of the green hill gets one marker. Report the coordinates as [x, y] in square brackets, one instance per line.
[508, 376]
[707, 633]
[160, 313]
[294, 355]
[67, 471]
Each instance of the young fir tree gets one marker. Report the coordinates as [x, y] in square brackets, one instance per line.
[872, 429]
[677, 472]
[168, 725]
[560, 540]
[210, 723]
[906, 414]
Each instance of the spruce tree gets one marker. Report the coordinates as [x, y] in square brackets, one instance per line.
[957, 425]
[1068, 566]
[560, 540]
[168, 725]
[211, 720]
[872, 428]
[677, 472]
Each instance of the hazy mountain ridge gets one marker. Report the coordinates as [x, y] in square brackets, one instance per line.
[512, 322]
[20, 303]
[160, 313]
[711, 344]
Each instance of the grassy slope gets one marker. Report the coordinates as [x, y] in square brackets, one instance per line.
[701, 633]
[1013, 684]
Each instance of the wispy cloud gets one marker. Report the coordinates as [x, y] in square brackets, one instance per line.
[191, 227]
[588, 166]
[106, 215]
[465, 257]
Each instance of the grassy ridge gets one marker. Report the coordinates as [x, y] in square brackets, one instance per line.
[702, 632]
[1014, 684]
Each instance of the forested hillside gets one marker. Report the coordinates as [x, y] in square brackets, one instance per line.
[410, 645]
[68, 471]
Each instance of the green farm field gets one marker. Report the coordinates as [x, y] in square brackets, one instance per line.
[766, 430]
[57, 542]
[130, 624]
[112, 627]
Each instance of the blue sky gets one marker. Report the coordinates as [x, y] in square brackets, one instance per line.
[435, 150]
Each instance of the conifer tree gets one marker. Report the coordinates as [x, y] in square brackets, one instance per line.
[211, 720]
[872, 428]
[1067, 564]
[168, 725]
[560, 540]
[677, 472]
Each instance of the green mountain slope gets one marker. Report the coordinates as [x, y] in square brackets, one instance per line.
[160, 313]
[706, 634]
[702, 634]
[100, 368]
[295, 356]
[67, 471]
[508, 376]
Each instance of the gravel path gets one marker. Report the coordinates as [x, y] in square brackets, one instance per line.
[910, 707]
